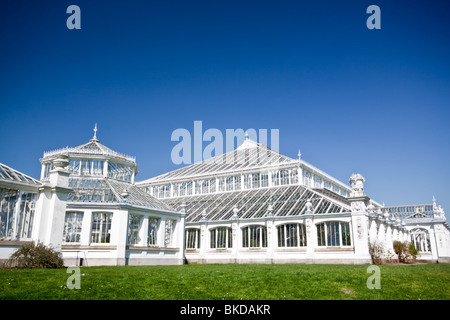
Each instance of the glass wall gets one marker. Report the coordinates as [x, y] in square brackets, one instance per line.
[333, 234]
[16, 214]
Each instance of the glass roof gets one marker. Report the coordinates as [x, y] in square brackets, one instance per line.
[93, 147]
[411, 211]
[247, 156]
[285, 201]
[10, 175]
[106, 190]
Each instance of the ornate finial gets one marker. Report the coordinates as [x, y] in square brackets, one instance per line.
[357, 183]
[269, 210]
[299, 154]
[308, 206]
[246, 136]
[95, 133]
[125, 195]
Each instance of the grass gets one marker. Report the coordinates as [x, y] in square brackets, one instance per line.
[230, 282]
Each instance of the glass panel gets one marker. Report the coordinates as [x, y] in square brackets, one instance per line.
[101, 227]
[16, 214]
[345, 229]
[134, 227]
[332, 234]
[168, 234]
[152, 239]
[120, 172]
[321, 240]
[72, 227]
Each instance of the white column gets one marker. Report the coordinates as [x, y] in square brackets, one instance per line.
[51, 206]
[121, 219]
[271, 238]
[144, 231]
[162, 233]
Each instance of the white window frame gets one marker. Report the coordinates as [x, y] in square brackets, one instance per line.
[326, 235]
[104, 228]
[254, 236]
[291, 235]
[192, 238]
[221, 238]
[73, 226]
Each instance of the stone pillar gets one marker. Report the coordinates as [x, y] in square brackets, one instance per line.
[311, 235]
[271, 234]
[433, 243]
[204, 237]
[236, 234]
[51, 205]
[121, 218]
[359, 219]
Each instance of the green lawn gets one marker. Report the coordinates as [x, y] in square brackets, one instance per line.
[230, 282]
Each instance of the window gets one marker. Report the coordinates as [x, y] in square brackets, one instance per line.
[284, 177]
[134, 228]
[192, 238]
[248, 181]
[307, 177]
[198, 187]
[291, 235]
[72, 227]
[421, 239]
[333, 234]
[16, 214]
[120, 172]
[101, 227]
[74, 166]
[256, 180]
[264, 179]
[275, 176]
[152, 235]
[175, 189]
[48, 167]
[317, 182]
[254, 237]
[294, 176]
[186, 188]
[86, 166]
[221, 184]
[168, 234]
[237, 182]
[220, 238]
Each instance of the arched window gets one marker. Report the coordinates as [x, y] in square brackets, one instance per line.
[254, 237]
[421, 239]
[192, 238]
[291, 235]
[220, 238]
[333, 234]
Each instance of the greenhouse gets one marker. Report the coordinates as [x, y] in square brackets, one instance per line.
[255, 205]
[249, 205]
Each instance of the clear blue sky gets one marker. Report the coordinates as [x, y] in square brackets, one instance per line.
[352, 99]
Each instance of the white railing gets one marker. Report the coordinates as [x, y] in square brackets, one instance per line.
[89, 151]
